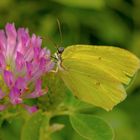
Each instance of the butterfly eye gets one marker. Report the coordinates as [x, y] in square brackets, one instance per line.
[60, 49]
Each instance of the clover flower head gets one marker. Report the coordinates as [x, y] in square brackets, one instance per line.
[22, 64]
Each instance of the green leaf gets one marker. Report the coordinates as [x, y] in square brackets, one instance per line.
[66, 133]
[76, 105]
[91, 127]
[121, 123]
[56, 92]
[31, 129]
[44, 129]
[11, 129]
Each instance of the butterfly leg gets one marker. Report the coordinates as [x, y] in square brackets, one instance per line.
[55, 71]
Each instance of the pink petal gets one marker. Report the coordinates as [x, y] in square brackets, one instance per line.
[38, 90]
[2, 61]
[1, 94]
[50, 65]
[20, 62]
[2, 41]
[23, 40]
[15, 96]
[42, 64]
[36, 41]
[20, 84]
[31, 109]
[11, 40]
[8, 78]
[29, 68]
[37, 52]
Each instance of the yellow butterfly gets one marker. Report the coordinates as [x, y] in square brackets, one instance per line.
[97, 74]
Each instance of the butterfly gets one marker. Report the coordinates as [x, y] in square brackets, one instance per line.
[97, 74]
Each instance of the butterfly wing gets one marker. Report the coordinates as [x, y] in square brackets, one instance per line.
[97, 74]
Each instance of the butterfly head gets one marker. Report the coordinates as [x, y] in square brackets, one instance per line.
[58, 54]
[60, 50]
[57, 57]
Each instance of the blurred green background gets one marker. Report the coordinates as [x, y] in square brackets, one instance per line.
[100, 22]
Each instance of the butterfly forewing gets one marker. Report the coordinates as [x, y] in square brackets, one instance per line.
[96, 74]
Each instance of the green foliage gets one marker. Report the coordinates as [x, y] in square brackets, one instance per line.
[91, 127]
[120, 122]
[32, 126]
[89, 4]
[11, 130]
[56, 92]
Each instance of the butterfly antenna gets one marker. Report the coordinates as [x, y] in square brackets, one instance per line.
[50, 40]
[60, 31]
